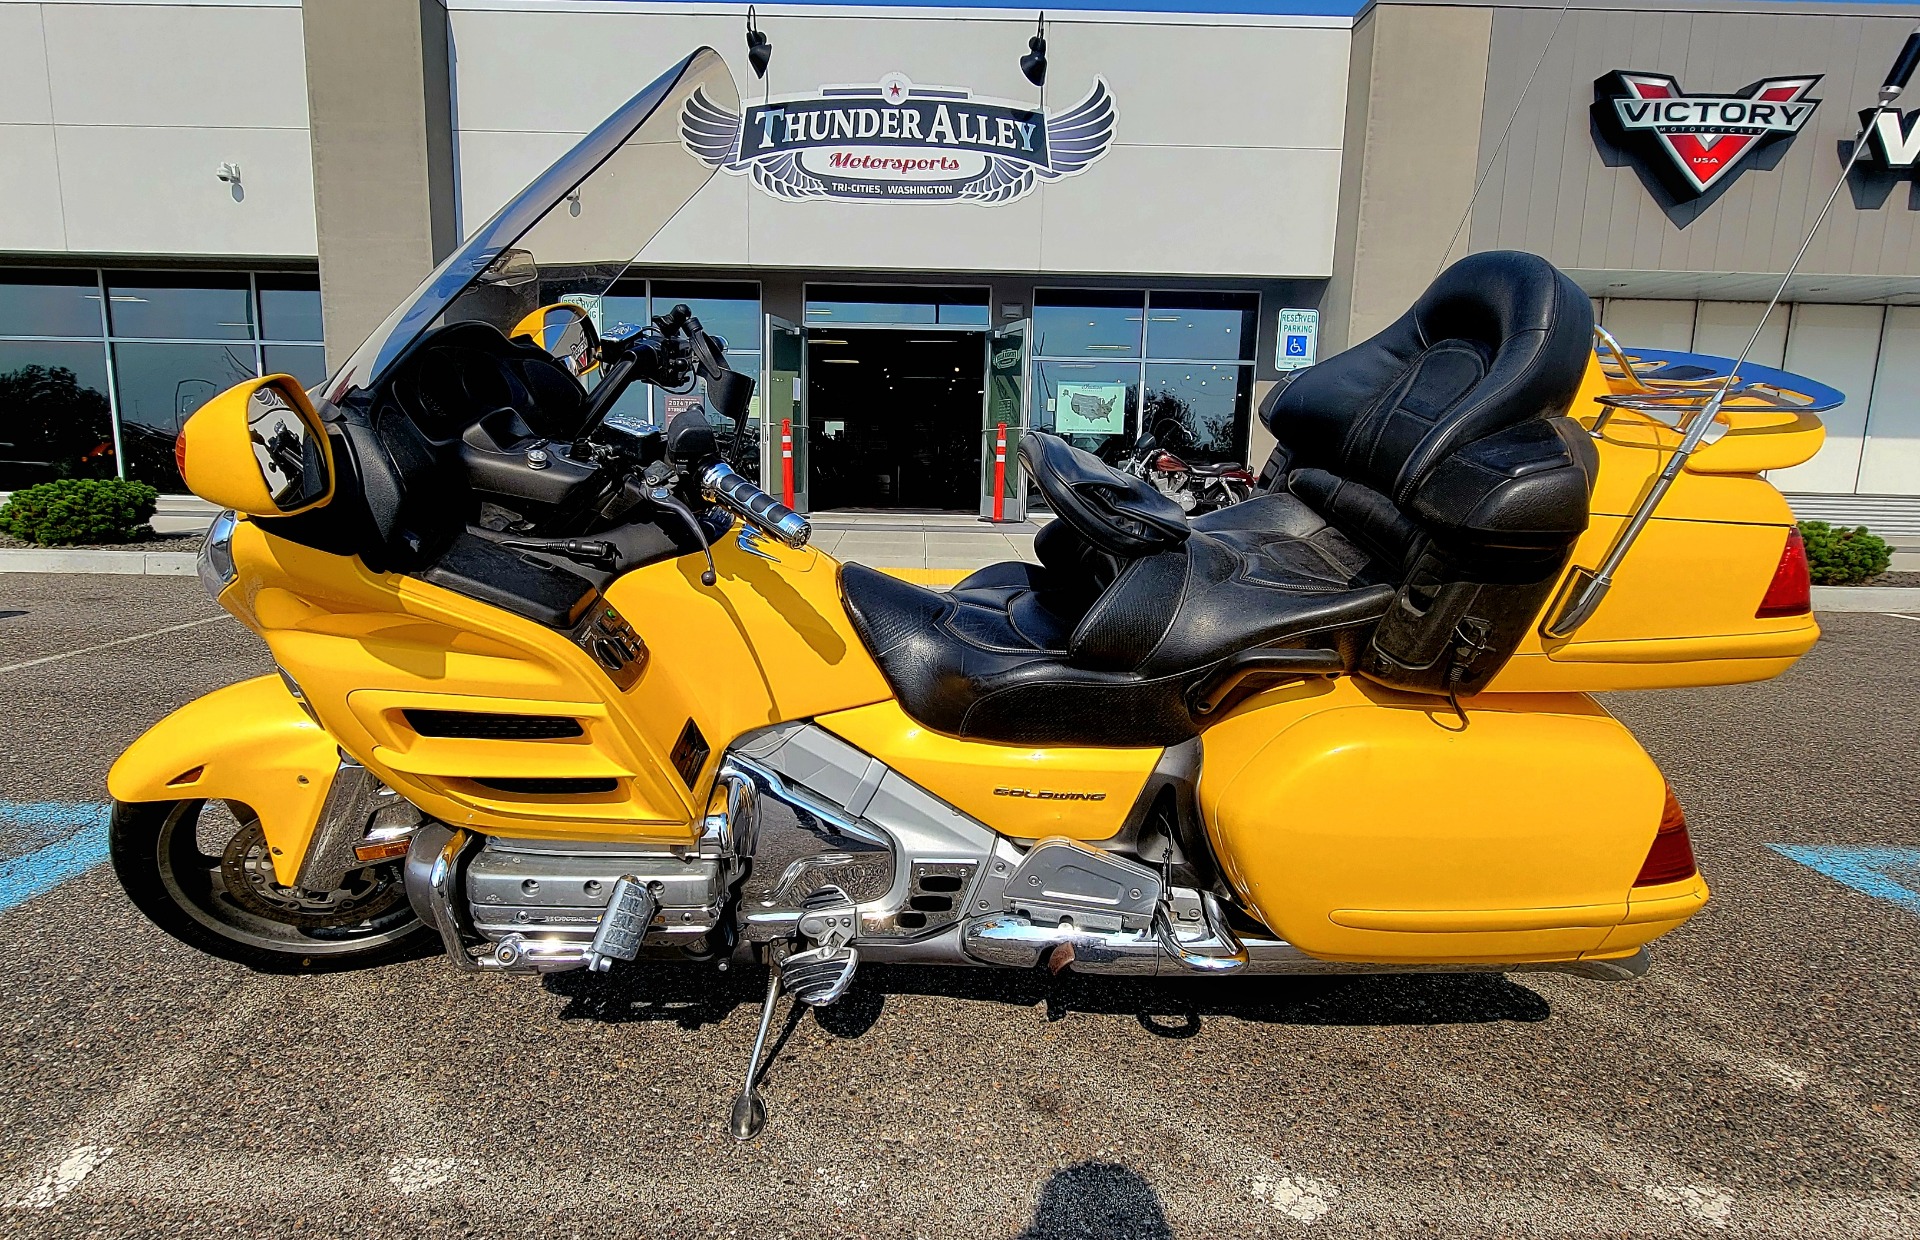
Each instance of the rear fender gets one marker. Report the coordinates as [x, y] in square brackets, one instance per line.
[249, 743]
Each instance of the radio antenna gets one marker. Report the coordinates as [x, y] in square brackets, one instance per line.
[1501, 145]
[1587, 587]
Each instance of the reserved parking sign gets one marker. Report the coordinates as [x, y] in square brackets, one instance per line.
[1299, 339]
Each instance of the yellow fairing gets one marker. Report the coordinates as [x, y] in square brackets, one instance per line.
[249, 743]
[768, 643]
[1681, 611]
[1361, 824]
[1023, 791]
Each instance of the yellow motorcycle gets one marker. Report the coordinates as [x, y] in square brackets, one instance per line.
[557, 692]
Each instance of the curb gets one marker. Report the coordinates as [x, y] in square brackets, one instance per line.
[82, 560]
[1866, 598]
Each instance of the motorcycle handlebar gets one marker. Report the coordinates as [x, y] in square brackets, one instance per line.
[754, 505]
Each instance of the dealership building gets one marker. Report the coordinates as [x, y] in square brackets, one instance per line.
[912, 245]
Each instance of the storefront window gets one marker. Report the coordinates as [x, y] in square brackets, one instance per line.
[170, 306]
[1091, 405]
[160, 386]
[841, 305]
[1197, 410]
[1082, 323]
[1202, 326]
[305, 362]
[49, 303]
[289, 308]
[176, 339]
[1196, 401]
[55, 418]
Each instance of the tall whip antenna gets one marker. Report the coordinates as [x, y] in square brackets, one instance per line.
[1587, 587]
[1501, 145]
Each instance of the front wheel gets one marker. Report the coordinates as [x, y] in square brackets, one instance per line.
[202, 871]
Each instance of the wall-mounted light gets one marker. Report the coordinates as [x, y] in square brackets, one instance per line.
[1034, 63]
[759, 46]
[230, 173]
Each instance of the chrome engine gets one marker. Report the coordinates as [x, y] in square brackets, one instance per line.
[826, 857]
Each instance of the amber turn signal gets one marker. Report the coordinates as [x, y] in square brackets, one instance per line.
[383, 850]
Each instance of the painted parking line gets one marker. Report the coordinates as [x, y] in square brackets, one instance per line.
[1891, 874]
[65, 838]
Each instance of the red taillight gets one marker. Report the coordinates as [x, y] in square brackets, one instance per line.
[1791, 591]
[1671, 857]
[180, 453]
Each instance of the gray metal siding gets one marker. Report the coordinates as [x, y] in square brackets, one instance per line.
[1550, 191]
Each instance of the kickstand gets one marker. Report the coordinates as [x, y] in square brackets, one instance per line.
[749, 1112]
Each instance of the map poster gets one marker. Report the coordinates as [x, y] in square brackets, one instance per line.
[1090, 409]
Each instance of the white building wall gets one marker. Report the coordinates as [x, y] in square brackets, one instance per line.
[1869, 353]
[1226, 155]
[115, 119]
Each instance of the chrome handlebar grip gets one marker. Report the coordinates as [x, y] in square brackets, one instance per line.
[730, 488]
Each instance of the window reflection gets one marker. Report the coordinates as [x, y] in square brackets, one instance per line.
[1202, 326]
[172, 306]
[176, 338]
[55, 421]
[841, 305]
[160, 387]
[49, 303]
[1079, 323]
[289, 307]
[305, 362]
[1198, 410]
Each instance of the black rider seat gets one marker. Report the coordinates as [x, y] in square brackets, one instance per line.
[1426, 493]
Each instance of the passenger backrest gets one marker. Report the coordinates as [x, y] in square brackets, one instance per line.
[1441, 446]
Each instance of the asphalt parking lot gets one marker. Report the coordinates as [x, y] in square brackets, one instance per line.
[1760, 1081]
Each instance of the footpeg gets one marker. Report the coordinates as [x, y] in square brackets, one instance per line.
[821, 974]
[629, 912]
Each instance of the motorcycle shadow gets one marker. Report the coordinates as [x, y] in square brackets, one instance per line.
[693, 996]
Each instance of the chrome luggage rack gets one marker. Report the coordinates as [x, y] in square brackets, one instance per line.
[1672, 387]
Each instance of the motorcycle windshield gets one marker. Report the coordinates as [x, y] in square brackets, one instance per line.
[569, 234]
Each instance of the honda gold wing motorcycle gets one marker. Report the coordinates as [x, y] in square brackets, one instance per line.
[560, 691]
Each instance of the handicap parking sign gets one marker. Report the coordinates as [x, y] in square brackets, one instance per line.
[1299, 338]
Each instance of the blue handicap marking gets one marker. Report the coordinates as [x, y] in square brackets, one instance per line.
[1296, 345]
[45, 843]
[1891, 874]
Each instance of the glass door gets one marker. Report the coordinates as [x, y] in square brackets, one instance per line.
[784, 410]
[1006, 409]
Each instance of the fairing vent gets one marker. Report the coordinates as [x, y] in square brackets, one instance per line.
[469, 725]
[581, 786]
[690, 754]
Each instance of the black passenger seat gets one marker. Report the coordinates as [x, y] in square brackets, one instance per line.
[1428, 490]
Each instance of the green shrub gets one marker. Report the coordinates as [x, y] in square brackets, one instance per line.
[1843, 557]
[80, 510]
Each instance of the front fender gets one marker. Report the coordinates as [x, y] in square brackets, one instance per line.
[249, 743]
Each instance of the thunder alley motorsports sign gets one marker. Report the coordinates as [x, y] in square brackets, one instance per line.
[1703, 138]
[898, 142]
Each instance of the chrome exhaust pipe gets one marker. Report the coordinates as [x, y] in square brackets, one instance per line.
[1012, 941]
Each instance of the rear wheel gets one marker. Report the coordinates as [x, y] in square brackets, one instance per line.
[203, 872]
